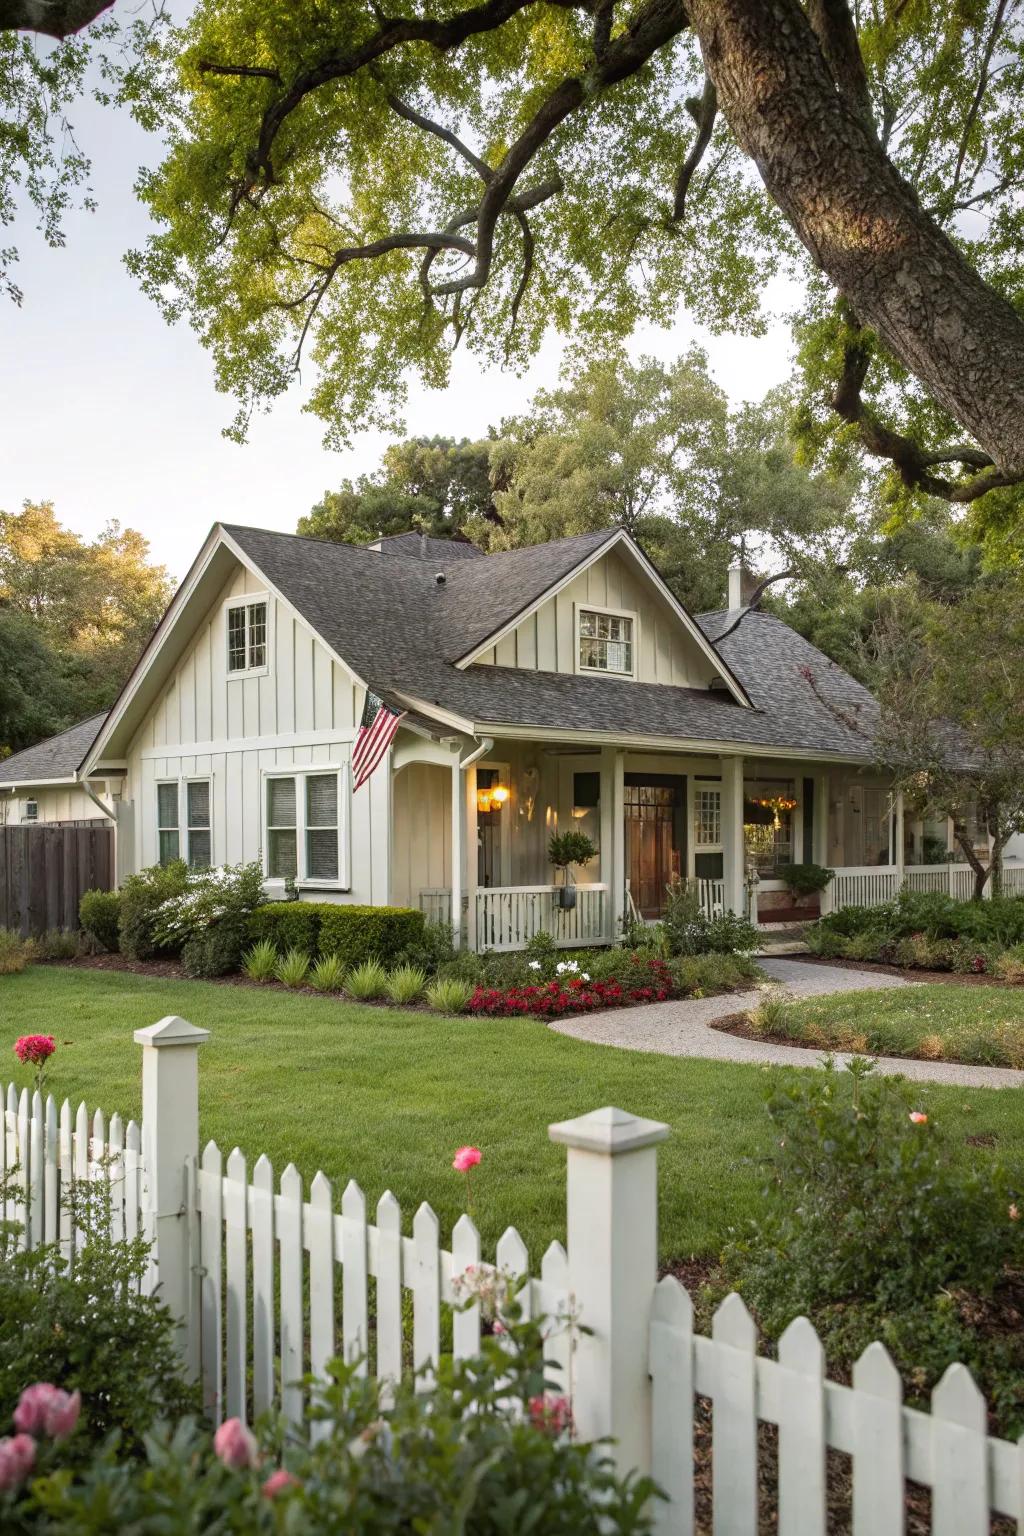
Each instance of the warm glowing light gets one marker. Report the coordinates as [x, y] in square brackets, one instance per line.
[483, 800]
[492, 798]
[499, 794]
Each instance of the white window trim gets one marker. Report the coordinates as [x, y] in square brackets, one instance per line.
[698, 846]
[183, 827]
[614, 613]
[243, 600]
[31, 820]
[304, 771]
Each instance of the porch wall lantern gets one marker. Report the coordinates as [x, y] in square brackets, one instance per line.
[492, 798]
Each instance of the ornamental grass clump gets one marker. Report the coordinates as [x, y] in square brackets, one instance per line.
[292, 969]
[449, 994]
[367, 981]
[15, 952]
[328, 974]
[260, 962]
[406, 983]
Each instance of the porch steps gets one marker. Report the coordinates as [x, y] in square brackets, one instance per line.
[782, 939]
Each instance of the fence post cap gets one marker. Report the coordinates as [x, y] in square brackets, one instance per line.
[609, 1130]
[171, 1031]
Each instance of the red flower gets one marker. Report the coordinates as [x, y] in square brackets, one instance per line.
[35, 1048]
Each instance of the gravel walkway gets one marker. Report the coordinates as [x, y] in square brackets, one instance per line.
[682, 1028]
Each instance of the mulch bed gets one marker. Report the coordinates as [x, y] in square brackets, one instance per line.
[908, 972]
[739, 1024]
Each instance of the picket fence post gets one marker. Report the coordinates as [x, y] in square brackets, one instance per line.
[612, 1226]
[170, 1146]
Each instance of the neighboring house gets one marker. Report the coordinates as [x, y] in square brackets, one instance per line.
[555, 686]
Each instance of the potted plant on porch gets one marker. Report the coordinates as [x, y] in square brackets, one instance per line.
[805, 882]
[564, 850]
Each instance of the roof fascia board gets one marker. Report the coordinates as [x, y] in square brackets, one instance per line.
[664, 743]
[9, 786]
[619, 536]
[434, 712]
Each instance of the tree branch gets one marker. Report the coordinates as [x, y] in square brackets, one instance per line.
[50, 18]
[244, 71]
[752, 605]
[836, 31]
[703, 110]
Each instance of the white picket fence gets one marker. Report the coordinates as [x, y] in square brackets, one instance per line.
[255, 1270]
[875, 884]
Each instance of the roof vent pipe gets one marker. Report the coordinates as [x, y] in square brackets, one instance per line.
[440, 578]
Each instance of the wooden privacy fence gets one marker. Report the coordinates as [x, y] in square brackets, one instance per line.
[45, 871]
[267, 1282]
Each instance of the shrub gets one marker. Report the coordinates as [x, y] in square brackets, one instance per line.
[433, 951]
[565, 848]
[405, 984]
[825, 942]
[850, 920]
[865, 945]
[292, 968]
[328, 974]
[367, 981]
[465, 966]
[287, 925]
[142, 896]
[806, 879]
[1009, 966]
[260, 962]
[771, 1018]
[208, 920]
[356, 933]
[700, 975]
[88, 1329]
[215, 952]
[58, 944]
[99, 913]
[687, 930]
[15, 952]
[449, 994]
[874, 1227]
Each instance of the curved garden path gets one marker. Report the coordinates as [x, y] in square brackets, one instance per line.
[682, 1028]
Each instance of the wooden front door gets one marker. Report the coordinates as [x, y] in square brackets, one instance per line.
[654, 851]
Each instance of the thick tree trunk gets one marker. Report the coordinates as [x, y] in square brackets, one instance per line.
[822, 164]
[51, 18]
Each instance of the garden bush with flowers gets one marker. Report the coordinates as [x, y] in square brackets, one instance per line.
[874, 1226]
[930, 931]
[549, 985]
[201, 914]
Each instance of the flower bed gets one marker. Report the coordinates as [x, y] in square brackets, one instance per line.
[645, 980]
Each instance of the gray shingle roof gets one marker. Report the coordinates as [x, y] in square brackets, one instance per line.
[55, 758]
[402, 632]
[420, 546]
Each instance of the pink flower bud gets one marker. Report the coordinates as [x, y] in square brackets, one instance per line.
[917, 1117]
[44, 1409]
[1014, 1213]
[17, 1458]
[235, 1445]
[465, 1159]
[277, 1482]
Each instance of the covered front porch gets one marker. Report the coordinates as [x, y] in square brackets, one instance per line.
[471, 826]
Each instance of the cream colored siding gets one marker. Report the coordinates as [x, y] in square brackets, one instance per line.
[55, 804]
[546, 640]
[234, 729]
[421, 848]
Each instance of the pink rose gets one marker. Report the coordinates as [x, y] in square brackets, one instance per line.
[277, 1482]
[465, 1159]
[552, 1414]
[17, 1458]
[34, 1048]
[918, 1117]
[44, 1409]
[235, 1445]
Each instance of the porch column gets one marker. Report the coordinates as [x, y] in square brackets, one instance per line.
[819, 852]
[608, 835]
[457, 814]
[470, 854]
[733, 852]
[898, 836]
[617, 890]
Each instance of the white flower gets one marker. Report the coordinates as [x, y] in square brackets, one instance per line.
[584, 976]
[566, 965]
[534, 965]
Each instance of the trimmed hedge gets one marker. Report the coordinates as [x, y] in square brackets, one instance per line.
[352, 933]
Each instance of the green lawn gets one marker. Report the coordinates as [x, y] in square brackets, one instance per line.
[386, 1096]
[941, 1022]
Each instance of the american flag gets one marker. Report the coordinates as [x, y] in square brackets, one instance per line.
[376, 730]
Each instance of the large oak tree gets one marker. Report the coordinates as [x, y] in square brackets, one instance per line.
[365, 187]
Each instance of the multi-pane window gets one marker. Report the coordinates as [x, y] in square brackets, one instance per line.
[304, 828]
[247, 636]
[606, 642]
[168, 835]
[707, 818]
[197, 811]
[31, 810]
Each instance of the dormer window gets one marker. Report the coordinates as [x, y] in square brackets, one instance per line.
[247, 637]
[606, 641]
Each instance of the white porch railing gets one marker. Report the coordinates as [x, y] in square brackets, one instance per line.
[507, 917]
[712, 896]
[873, 885]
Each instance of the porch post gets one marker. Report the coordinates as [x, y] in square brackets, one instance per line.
[458, 930]
[733, 852]
[819, 852]
[470, 855]
[899, 834]
[608, 836]
[617, 892]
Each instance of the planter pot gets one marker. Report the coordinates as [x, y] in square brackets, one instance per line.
[567, 897]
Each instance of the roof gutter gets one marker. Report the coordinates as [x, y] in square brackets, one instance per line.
[486, 745]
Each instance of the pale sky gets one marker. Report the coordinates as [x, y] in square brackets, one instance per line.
[108, 412]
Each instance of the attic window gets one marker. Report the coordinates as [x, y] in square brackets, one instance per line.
[247, 637]
[605, 641]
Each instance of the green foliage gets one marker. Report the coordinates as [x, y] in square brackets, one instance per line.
[437, 486]
[436, 948]
[874, 1229]
[88, 1329]
[142, 897]
[923, 928]
[15, 952]
[687, 930]
[367, 981]
[215, 951]
[406, 983]
[292, 968]
[328, 974]
[805, 879]
[58, 944]
[771, 1017]
[1009, 966]
[260, 962]
[287, 925]
[565, 848]
[464, 1446]
[449, 994]
[224, 896]
[356, 933]
[702, 975]
[99, 913]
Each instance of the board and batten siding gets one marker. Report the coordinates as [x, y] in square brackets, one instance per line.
[421, 848]
[301, 713]
[56, 803]
[546, 640]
